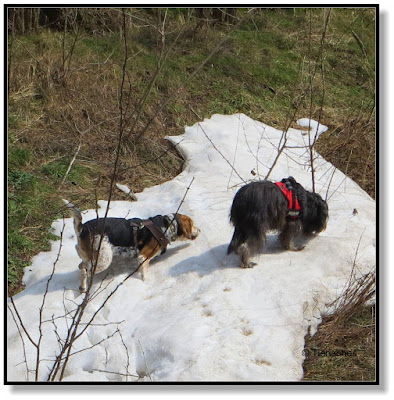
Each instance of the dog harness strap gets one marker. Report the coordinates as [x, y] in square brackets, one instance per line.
[294, 205]
[156, 232]
[136, 224]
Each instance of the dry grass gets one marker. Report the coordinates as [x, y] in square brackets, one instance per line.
[344, 348]
[84, 99]
[350, 145]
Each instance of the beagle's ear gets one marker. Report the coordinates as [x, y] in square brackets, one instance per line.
[179, 224]
[186, 228]
[182, 225]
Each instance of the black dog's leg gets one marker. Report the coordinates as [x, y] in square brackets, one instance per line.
[251, 246]
[244, 252]
[286, 236]
[242, 246]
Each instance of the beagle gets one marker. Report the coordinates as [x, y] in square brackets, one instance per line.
[102, 238]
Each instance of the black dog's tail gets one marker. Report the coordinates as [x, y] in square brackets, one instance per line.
[234, 244]
[76, 213]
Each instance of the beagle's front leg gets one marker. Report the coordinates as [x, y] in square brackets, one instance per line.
[84, 267]
[150, 250]
[143, 266]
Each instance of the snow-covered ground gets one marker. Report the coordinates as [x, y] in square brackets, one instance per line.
[198, 316]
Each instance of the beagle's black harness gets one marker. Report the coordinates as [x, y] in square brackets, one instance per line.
[158, 234]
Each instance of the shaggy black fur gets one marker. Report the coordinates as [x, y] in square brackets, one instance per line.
[259, 207]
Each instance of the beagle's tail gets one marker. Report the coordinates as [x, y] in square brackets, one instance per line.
[76, 213]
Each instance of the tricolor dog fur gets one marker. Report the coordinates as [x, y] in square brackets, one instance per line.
[102, 238]
[263, 206]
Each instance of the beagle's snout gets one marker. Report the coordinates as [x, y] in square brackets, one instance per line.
[195, 233]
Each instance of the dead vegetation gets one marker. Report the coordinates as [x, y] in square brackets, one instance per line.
[343, 350]
[351, 147]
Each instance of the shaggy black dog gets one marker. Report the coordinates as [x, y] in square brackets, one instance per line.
[259, 207]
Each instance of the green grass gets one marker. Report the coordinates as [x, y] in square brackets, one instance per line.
[56, 170]
[18, 157]
[30, 213]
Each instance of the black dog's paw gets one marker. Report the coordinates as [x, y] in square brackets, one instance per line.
[296, 248]
[250, 264]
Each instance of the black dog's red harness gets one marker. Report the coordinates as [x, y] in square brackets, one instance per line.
[294, 205]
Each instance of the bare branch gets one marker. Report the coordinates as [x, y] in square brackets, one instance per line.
[227, 161]
[146, 365]
[115, 373]
[177, 91]
[22, 325]
[22, 340]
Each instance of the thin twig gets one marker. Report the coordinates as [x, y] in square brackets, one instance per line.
[115, 373]
[227, 161]
[22, 324]
[81, 136]
[177, 91]
[160, 64]
[22, 340]
[77, 318]
[43, 303]
[146, 365]
[312, 142]
[127, 355]
[359, 42]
